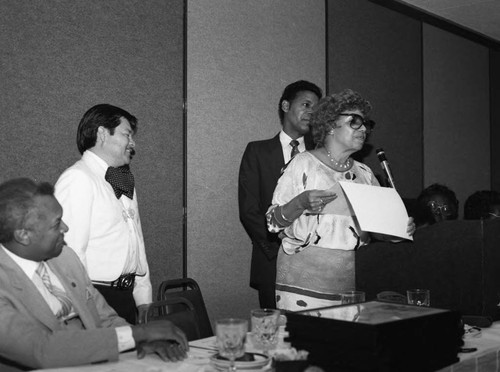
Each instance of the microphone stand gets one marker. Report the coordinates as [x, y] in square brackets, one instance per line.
[385, 167]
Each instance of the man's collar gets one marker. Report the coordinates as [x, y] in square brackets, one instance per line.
[26, 265]
[285, 138]
[89, 154]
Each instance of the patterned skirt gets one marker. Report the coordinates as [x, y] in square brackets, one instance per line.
[313, 278]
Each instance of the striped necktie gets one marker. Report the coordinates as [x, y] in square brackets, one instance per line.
[66, 304]
[295, 148]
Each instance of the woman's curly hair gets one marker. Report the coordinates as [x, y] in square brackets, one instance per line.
[328, 109]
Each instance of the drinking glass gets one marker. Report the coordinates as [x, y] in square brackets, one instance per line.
[419, 297]
[352, 297]
[265, 327]
[231, 335]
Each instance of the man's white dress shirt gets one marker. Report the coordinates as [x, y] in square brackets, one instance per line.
[105, 232]
[285, 140]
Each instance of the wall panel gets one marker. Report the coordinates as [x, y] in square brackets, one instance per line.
[377, 52]
[456, 113]
[241, 54]
[495, 118]
[59, 58]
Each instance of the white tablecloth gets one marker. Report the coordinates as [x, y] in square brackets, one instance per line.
[198, 360]
[485, 358]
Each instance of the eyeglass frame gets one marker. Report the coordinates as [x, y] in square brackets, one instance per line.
[357, 121]
[443, 209]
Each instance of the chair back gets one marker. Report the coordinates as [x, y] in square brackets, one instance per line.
[188, 288]
[179, 311]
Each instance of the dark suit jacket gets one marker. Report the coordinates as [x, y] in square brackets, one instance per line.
[32, 336]
[260, 170]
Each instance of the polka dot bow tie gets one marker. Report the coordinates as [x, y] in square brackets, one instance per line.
[122, 181]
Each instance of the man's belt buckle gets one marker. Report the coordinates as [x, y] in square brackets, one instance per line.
[125, 281]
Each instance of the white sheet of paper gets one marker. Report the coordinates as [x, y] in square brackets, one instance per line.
[338, 205]
[378, 209]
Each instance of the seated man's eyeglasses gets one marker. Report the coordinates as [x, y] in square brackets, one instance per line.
[357, 121]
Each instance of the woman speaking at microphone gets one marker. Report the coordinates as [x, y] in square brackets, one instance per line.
[316, 259]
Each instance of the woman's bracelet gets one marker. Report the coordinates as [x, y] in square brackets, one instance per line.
[282, 216]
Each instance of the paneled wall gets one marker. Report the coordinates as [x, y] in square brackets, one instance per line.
[377, 52]
[241, 54]
[431, 91]
[432, 94]
[456, 113]
[59, 58]
[495, 117]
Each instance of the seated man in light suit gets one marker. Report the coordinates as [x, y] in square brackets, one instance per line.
[50, 313]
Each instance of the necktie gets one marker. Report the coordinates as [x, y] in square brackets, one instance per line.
[122, 181]
[295, 148]
[63, 298]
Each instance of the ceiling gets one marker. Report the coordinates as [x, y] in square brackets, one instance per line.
[481, 17]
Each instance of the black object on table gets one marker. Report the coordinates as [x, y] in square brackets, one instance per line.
[377, 337]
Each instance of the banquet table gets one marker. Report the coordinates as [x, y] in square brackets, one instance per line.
[486, 357]
[198, 361]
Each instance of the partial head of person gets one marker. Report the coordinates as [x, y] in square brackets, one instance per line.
[482, 205]
[31, 224]
[108, 131]
[295, 107]
[437, 203]
[342, 117]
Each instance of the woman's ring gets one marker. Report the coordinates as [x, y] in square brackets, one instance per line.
[321, 201]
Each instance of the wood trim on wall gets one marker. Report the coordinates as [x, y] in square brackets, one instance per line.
[494, 58]
[437, 21]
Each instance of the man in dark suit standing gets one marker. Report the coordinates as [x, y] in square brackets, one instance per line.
[261, 166]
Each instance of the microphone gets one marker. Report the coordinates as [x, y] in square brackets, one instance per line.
[385, 166]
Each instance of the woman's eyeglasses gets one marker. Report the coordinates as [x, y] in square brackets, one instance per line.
[357, 121]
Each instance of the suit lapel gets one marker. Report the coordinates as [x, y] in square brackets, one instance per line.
[25, 292]
[308, 141]
[276, 159]
[73, 288]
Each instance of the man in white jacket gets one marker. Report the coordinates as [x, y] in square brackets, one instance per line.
[100, 207]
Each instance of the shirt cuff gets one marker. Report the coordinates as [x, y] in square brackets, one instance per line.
[125, 339]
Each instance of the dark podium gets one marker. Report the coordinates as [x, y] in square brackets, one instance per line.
[459, 261]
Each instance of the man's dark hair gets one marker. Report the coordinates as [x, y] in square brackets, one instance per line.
[479, 204]
[16, 203]
[293, 89]
[103, 115]
[437, 189]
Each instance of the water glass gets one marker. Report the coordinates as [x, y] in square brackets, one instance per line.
[352, 297]
[265, 328]
[419, 297]
[231, 335]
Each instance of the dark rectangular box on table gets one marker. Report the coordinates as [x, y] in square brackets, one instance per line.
[377, 337]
